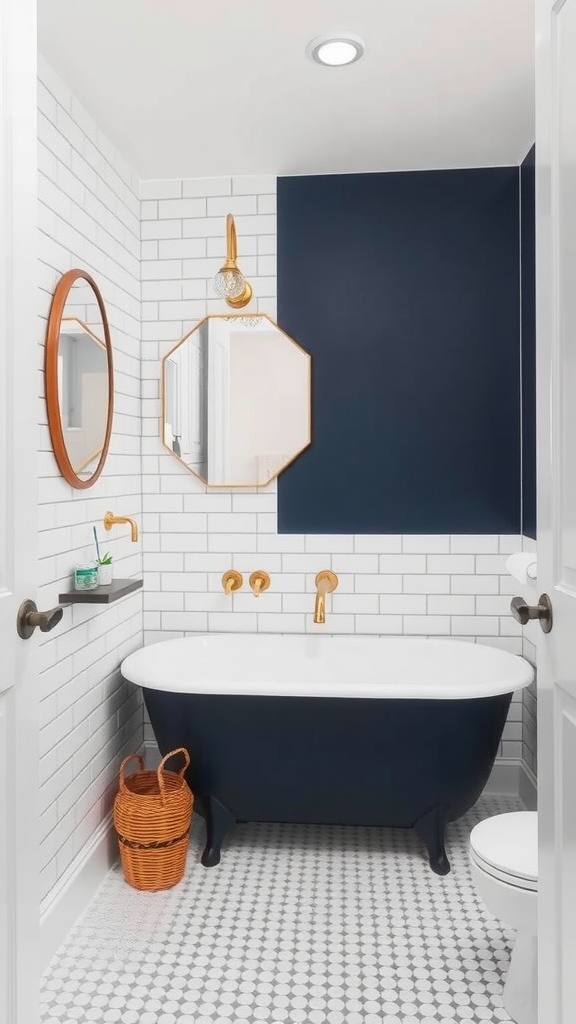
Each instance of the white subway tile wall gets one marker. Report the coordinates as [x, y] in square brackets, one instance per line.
[414, 585]
[89, 217]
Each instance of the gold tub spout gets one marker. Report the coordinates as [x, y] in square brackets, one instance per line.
[111, 520]
[326, 581]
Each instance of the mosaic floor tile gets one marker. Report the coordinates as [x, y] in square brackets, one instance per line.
[298, 924]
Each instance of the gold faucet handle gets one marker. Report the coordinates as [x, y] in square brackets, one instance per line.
[327, 577]
[231, 581]
[259, 582]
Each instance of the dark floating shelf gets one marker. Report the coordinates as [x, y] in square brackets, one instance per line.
[101, 595]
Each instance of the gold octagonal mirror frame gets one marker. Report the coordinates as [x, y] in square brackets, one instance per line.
[289, 460]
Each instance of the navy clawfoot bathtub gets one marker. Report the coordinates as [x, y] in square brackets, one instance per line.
[352, 730]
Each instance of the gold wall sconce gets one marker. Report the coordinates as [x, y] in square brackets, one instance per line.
[230, 282]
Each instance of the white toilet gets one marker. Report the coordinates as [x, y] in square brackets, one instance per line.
[504, 864]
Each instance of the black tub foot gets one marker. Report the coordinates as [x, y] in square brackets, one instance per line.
[218, 820]
[430, 828]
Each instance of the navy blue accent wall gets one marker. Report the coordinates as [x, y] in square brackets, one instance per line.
[528, 251]
[405, 289]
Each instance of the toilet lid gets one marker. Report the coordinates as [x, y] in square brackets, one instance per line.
[507, 846]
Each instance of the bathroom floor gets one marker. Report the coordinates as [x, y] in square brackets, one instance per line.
[298, 923]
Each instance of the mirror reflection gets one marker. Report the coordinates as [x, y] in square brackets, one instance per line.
[82, 379]
[236, 400]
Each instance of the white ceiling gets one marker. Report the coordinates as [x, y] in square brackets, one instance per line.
[188, 88]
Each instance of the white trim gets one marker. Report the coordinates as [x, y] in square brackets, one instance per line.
[19, 802]
[72, 893]
[521, 359]
[528, 787]
[511, 776]
[505, 777]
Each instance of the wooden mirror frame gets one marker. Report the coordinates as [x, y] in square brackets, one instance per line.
[51, 378]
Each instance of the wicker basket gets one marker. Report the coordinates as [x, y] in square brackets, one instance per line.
[152, 815]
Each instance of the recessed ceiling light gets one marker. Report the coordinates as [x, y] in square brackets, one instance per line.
[335, 51]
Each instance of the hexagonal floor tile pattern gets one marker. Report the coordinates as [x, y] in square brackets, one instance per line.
[303, 924]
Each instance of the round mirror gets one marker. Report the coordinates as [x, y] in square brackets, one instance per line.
[79, 379]
[236, 400]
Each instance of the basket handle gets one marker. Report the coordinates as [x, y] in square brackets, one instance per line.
[179, 750]
[140, 760]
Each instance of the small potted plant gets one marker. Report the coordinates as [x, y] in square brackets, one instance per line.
[105, 573]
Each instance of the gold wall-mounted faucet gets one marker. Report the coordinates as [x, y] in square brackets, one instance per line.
[111, 520]
[259, 582]
[326, 581]
[231, 581]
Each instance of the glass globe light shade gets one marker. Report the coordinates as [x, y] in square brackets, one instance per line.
[229, 283]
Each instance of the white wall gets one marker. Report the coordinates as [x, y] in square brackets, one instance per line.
[432, 585]
[88, 217]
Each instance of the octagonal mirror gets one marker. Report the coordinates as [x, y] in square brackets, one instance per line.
[236, 400]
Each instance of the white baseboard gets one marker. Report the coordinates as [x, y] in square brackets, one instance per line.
[528, 788]
[72, 893]
[74, 890]
[512, 777]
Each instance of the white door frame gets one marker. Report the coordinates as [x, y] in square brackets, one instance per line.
[556, 308]
[19, 362]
